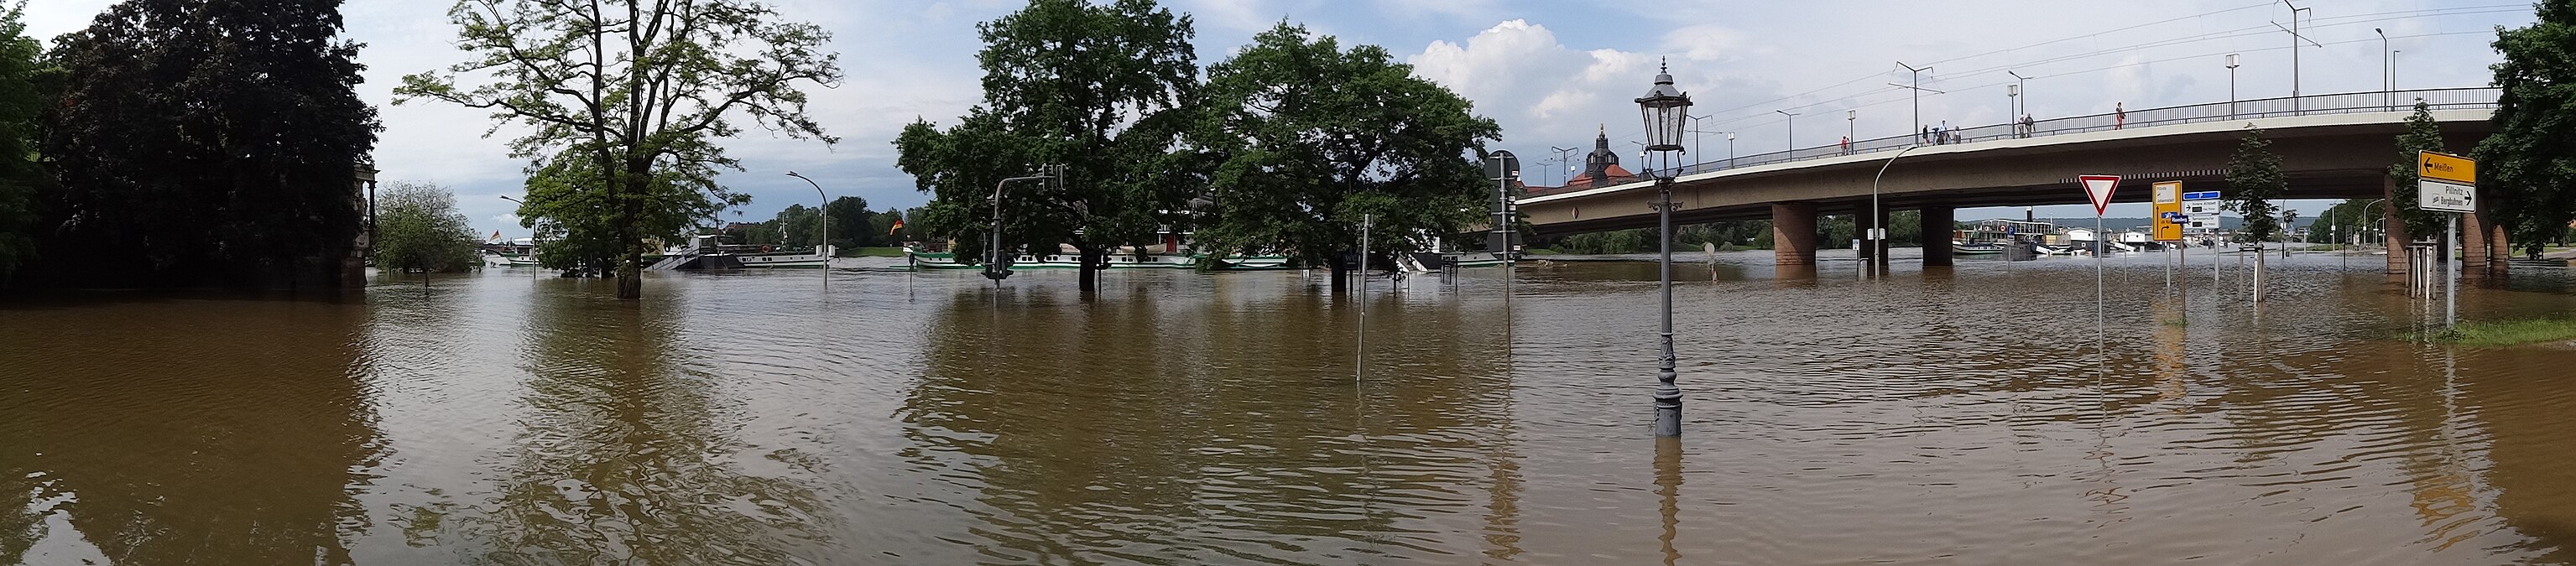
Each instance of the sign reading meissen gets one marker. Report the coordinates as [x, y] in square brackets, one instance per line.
[2446, 183]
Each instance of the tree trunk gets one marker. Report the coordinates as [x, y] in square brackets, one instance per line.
[1341, 273]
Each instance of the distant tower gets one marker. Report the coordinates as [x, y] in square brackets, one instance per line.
[1597, 166]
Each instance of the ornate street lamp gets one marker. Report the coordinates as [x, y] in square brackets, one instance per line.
[1667, 113]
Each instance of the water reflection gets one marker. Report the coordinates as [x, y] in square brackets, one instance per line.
[627, 456]
[1095, 425]
[211, 430]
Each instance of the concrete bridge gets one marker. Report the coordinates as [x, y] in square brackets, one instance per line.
[2331, 146]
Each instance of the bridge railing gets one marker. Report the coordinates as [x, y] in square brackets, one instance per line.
[2343, 103]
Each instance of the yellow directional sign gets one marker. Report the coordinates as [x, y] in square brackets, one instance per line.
[2451, 168]
[2168, 218]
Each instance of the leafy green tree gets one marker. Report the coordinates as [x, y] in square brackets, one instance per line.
[419, 229]
[2253, 181]
[576, 222]
[1310, 136]
[206, 143]
[2422, 134]
[853, 225]
[2528, 167]
[1096, 89]
[639, 92]
[21, 102]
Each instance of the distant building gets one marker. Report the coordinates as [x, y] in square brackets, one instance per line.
[1600, 169]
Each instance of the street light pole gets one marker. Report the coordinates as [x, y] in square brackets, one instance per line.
[1878, 234]
[1851, 128]
[1666, 112]
[2387, 70]
[1793, 132]
[1730, 150]
[2021, 84]
[824, 246]
[2231, 86]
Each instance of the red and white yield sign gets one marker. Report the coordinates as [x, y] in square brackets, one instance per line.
[2099, 187]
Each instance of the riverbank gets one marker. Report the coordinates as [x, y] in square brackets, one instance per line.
[2502, 333]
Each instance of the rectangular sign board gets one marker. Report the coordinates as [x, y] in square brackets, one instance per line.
[2444, 196]
[2458, 170]
[2203, 214]
[2203, 195]
[2168, 200]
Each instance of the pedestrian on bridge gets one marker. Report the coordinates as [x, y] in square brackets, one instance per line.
[2119, 115]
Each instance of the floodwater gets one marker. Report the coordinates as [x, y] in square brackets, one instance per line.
[1964, 416]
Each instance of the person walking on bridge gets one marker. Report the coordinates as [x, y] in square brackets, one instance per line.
[2119, 115]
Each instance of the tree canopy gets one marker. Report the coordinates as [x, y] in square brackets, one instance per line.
[637, 93]
[1097, 89]
[2422, 134]
[2254, 180]
[21, 102]
[419, 229]
[200, 142]
[2528, 167]
[1309, 136]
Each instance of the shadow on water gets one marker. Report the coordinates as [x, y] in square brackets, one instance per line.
[625, 455]
[183, 431]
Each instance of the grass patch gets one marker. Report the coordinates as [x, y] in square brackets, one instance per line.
[1540, 251]
[868, 252]
[2496, 333]
[2178, 322]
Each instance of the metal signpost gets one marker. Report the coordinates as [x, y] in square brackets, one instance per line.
[2168, 220]
[2202, 207]
[2447, 183]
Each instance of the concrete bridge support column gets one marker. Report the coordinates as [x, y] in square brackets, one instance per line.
[2499, 263]
[2395, 229]
[1937, 222]
[1793, 233]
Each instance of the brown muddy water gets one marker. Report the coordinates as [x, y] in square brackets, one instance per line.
[1963, 416]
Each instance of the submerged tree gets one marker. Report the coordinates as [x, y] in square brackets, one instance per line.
[201, 142]
[1096, 89]
[1312, 136]
[2529, 166]
[638, 93]
[419, 229]
[2253, 181]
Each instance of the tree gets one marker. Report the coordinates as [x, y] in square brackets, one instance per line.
[419, 229]
[627, 99]
[20, 104]
[2422, 134]
[1095, 89]
[1309, 137]
[202, 142]
[2253, 181]
[853, 225]
[2528, 167]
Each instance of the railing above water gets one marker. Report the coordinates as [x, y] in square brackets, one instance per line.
[2344, 103]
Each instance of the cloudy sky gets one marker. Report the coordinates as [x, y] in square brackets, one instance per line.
[1550, 72]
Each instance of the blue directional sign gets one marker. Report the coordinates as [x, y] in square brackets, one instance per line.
[2203, 195]
[2176, 217]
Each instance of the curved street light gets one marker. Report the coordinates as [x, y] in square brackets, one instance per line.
[1878, 234]
[823, 246]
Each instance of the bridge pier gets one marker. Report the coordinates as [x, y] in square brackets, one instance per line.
[1861, 223]
[2393, 228]
[2499, 264]
[1793, 233]
[1938, 221]
[2473, 247]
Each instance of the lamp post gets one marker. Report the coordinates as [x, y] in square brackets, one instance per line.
[1730, 150]
[1793, 132]
[822, 247]
[1878, 234]
[2021, 84]
[1851, 128]
[1563, 158]
[2012, 102]
[1666, 110]
[2231, 86]
[2387, 70]
[1697, 136]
